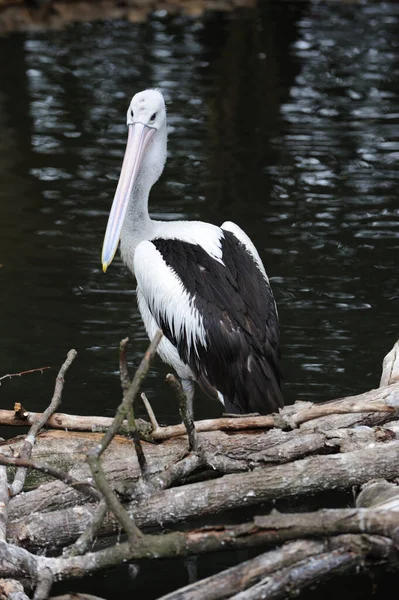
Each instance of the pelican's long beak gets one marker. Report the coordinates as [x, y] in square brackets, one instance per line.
[138, 137]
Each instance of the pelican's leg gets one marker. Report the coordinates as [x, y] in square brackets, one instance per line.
[187, 413]
[188, 387]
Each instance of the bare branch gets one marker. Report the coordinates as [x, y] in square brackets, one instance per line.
[132, 531]
[20, 417]
[125, 409]
[371, 408]
[390, 367]
[290, 580]
[128, 398]
[9, 375]
[26, 450]
[135, 435]
[4, 496]
[123, 368]
[151, 415]
[231, 581]
[82, 486]
[75, 596]
[178, 471]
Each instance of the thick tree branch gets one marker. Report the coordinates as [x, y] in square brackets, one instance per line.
[288, 581]
[299, 479]
[379, 405]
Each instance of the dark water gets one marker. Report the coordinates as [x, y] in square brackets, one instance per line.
[284, 119]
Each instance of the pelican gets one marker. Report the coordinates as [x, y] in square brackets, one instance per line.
[204, 286]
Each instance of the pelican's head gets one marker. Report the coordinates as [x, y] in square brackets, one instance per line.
[143, 162]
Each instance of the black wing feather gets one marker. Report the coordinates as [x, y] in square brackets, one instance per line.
[242, 357]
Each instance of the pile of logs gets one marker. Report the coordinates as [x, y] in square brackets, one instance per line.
[88, 481]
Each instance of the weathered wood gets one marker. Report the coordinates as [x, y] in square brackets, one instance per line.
[379, 494]
[390, 367]
[289, 566]
[352, 410]
[257, 467]
[309, 571]
[75, 596]
[301, 478]
[343, 554]
[227, 453]
[4, 498]
[225, 584]
[230, 453]
[67, 422]
[10, 589]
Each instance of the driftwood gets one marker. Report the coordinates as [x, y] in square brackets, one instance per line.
[85, 485]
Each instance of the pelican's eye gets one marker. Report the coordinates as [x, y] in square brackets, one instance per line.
[153, 117]
[131, 113]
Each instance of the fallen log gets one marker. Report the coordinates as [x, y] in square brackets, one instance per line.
[381, 400]
[60, 526]
[304, 451]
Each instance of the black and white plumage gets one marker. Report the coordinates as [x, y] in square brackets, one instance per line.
[204, 286]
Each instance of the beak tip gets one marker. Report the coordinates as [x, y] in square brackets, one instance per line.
[105, 267]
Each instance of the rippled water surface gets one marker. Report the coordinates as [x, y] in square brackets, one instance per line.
[284, 119]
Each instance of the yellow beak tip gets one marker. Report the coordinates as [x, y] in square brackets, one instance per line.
[105, 267]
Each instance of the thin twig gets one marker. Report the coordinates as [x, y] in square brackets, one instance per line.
[26, 450]
[123, 368]
[85, 540]
[134, 434]
[9, 375]
[150, 412]
[24, 463]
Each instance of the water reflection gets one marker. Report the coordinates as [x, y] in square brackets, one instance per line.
[284, 119]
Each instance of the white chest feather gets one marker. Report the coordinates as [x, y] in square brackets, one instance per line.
[166, 298]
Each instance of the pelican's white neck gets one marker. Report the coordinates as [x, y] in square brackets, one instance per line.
[138, 225]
